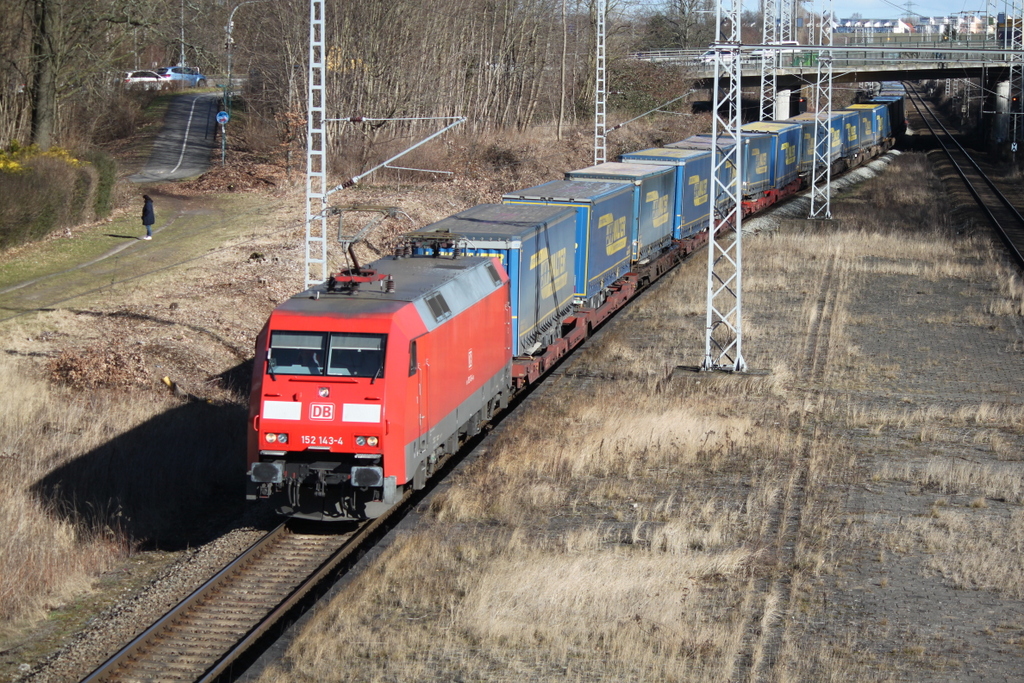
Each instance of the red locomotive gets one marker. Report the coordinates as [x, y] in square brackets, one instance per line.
[361, 383]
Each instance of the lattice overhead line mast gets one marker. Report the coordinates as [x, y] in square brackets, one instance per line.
[316, 162]
[821, 174]
[723, 337]
[787, 8]
[769, 59]
[317, 193]
[600, 88]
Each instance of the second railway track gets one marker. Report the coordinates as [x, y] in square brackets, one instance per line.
[1003, 214]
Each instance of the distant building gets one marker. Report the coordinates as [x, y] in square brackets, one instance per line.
[864, 26]
[963, 23]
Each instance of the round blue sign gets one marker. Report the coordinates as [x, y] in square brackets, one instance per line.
[222, 117]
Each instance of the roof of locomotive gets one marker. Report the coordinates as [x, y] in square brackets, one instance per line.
[439, 288]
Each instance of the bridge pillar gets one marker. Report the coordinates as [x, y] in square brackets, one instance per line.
[782, 104]
[1001, 121]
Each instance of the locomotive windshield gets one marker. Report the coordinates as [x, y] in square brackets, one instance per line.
[318, 353]
[357, 355]
[297, 353]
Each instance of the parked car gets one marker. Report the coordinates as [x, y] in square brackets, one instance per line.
[186, 75]
[146, 80]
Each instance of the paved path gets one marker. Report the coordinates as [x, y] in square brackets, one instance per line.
[182, 150]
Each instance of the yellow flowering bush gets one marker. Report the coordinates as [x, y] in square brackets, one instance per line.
[13, 158]
[47, 190]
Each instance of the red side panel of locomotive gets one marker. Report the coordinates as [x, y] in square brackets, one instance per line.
[360, 384]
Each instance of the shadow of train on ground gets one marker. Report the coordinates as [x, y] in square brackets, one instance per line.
[173, 482]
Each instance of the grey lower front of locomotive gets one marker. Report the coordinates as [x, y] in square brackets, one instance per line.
[324, 490]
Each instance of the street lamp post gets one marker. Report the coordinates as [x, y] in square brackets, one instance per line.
[228, 45]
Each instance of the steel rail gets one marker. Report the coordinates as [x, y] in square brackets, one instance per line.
[1005, 233]
[133, 656]
[350, 547]
[128, 651]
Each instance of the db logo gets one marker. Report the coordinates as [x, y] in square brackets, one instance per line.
[321, 411]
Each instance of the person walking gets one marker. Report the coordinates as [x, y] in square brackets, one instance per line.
[148, 217]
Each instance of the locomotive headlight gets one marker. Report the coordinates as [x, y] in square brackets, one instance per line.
[360, 440]
[271, 438]
[282, 438]
[371, 441]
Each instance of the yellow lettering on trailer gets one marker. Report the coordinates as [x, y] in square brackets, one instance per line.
[790, 151]
[554, 274]
[660, 207]
[615, 235]
[539, 258]
[700, 191]
[760, 162]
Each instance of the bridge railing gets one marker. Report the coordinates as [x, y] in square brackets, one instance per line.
[924, 55]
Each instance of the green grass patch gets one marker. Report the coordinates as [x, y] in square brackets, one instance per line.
[185, 229]
[54, 256]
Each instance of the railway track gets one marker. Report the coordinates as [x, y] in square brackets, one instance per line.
[200, 638]
[1004, 216]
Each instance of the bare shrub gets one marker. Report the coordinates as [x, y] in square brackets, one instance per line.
[47, 193]
[114, 117]
[108, 365]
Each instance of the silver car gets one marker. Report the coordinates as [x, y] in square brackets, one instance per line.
[145, 80]
[184, 75]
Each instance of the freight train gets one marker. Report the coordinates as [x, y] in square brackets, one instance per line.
[363, 384]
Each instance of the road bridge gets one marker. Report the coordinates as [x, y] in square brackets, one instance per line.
[987, 61]
[853, 63]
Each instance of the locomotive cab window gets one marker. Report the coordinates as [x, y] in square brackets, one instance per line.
[493, 272]
[357, 355]
[297, 353]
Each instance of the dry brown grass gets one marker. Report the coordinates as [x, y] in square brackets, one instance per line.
[959, 477]
[45, 558]
[972, 549]
[90, 476]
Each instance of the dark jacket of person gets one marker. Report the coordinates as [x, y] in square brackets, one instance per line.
[148, 218]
